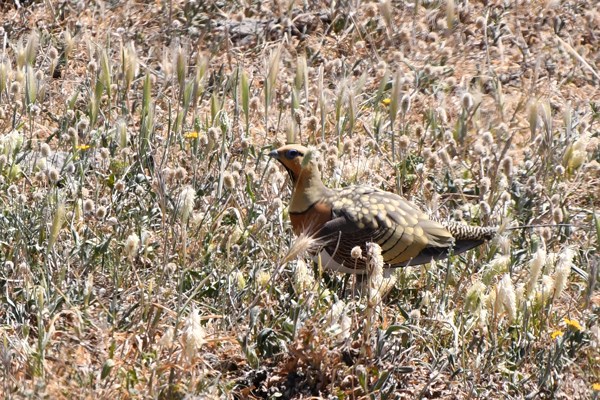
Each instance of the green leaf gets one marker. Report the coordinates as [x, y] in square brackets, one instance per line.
[106, 368]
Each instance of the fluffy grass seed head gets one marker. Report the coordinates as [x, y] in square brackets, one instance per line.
[261, 221]
[445, 157]
[254, 104]
[356, 252]
[121, 135]
[229, 180]
[312, 123]
[504, 243]
[57, 221]
[385, 9]
[194, 335]
[53, 175]
[166, 339]
[15, 88]
[45, 150]
[487, 138]
[132, 245]
[507, 166]
[213, 135]
[544, 290]
[262, 278]
[52, 53]
[577, 154]
[498, 265]
[5, 68]
[484, 185]
[375, 268]
[339, 323]
[532, 116]
[303, 278]
[475, 296]
[535, 268]
[238, 279]
[187, 198]
[467, 101]
[375, 261]
[405, 104]
[505, 294]
[485, 208]
[180, 173]
[545, 113]
[101, 212]
[563, 269]
[303, 244]
[120, 185]
[546, 233]
[557, 215]
[88, 206]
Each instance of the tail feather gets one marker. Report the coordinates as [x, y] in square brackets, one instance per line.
[429, 254]
[462, 232]
[465, 237]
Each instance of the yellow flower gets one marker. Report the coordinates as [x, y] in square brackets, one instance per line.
[83, 147]
[556, 334]
[386, 101]
[596, 387]
[573, 324]
[191, 135]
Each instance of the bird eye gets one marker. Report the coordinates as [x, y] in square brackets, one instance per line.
[291, 154]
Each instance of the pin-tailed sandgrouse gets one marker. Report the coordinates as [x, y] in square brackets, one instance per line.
[355, 215]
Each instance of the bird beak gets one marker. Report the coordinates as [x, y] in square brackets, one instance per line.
[274, 154]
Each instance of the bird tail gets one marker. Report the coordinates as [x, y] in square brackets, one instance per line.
[469, 233]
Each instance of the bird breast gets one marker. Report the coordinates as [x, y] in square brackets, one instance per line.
[312, 219]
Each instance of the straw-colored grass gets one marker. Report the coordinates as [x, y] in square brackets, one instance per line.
[145, 248]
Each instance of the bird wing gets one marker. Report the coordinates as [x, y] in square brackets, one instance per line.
[363, 214]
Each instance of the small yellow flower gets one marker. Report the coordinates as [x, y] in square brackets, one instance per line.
[556, 334]
[386, 101]
[83, 147]
[596, 387]
[191, 135]
[573, 324]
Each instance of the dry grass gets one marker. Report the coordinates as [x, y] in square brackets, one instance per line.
[145, 243]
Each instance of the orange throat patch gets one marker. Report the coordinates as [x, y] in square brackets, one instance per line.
[311, 220]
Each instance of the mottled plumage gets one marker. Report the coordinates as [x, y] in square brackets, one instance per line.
[355, 215]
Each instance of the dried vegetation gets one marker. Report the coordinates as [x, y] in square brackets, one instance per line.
[145, 249]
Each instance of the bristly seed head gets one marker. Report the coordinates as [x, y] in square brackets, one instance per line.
[484, 185]
[467, 101]
[403, 142]
[557, 215]
[88, 205]
[45, 150]
[180, 173]
[101, 212]
[405, 104]
[487, 138]
[228, 180]
[485, 208]
[132, 244]
[507, 166]
[53, 175]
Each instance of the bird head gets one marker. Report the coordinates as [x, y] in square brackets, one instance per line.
[296, 159]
